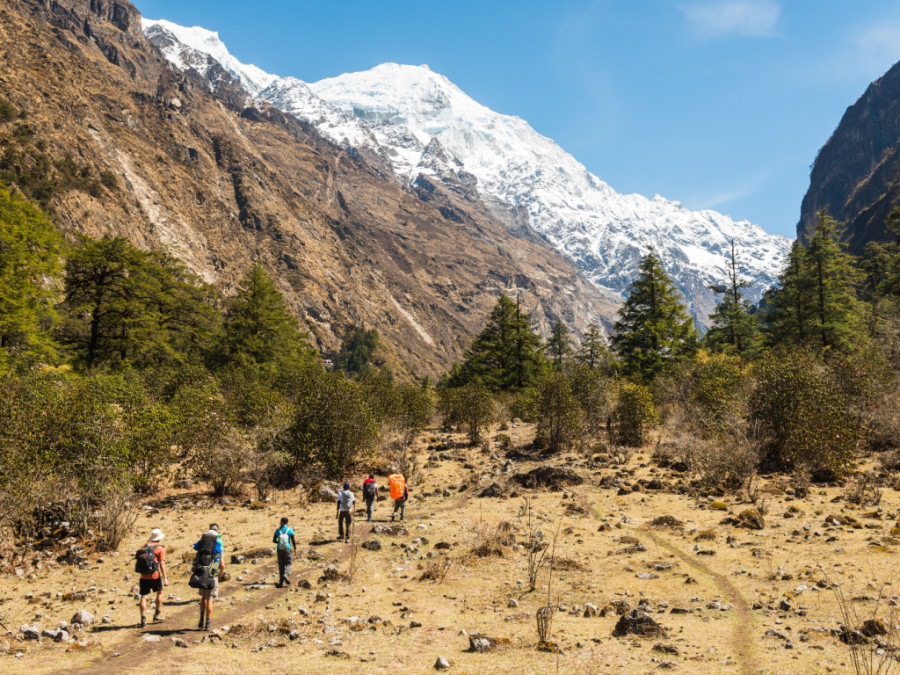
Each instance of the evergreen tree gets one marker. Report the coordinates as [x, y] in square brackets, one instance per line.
[882, 262]
[29, 261]
[127, 305]
[357, 350]
[734, 326]
[258, 326]
[788, 319]
[815, 303]
[507, 355]
[594, 353]
[654, 330]
[559, 346]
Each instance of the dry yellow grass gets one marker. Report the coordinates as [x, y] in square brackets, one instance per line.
[606, 551]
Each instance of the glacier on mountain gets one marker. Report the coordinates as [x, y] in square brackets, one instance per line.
[419, 122]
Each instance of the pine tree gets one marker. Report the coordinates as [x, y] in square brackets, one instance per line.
[507, 355]
[654, 330]
[357, 350]
[140, 307]
[734, 327]
[29, 262]
[594, 353]
[815, 303]
[559, 346]
[788, 319]
[258, 326]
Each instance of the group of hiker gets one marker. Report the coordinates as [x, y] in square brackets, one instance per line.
[209, 561]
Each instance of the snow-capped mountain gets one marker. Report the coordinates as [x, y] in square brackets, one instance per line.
[421, 123]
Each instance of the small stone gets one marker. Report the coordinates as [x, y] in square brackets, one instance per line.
[83, 618]
[441, 664]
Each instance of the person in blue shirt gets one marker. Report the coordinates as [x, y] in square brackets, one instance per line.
[217, 571]
[285, 545]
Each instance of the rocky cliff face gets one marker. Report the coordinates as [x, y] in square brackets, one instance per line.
[223, 185]
[856, 176]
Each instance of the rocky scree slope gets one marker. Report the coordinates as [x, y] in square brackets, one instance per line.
[856, 175]
[421, 124]
[223, 185]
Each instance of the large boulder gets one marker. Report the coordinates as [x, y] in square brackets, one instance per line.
[548, 476]
[638, 622]
[326, 491]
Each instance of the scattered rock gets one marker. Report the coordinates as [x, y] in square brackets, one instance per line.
[590, 611]
[666, 521]
[666, 649]
[151, 637]
[83, 618]
[483, 644]
[637, 622]
[750, 519]
[873, 628]
[326, 491]
[372, 545]
[30, 633]
[55, 634]
[441, 664]
[331, 573]
[493, 490]
[548, 476]
[390, 530]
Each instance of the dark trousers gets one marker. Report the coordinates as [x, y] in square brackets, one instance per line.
[370, 504]
[344, 517]
[285, 560]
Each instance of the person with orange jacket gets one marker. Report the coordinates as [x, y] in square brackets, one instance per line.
[399, 493]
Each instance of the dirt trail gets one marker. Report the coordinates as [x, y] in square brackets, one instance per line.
[742, 641]
[133, 651]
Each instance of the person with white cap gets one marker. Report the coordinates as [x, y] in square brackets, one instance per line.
[151, 564]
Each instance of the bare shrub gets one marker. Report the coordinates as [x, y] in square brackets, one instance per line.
[491, 540]
[729, 463]
[222, 465]
[536, 547]
[545, 622]
[352, 561]
[115, 517]
[863, 489]
[436, 569]
[873, 640]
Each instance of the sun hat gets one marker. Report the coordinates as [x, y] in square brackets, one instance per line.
[156, 534]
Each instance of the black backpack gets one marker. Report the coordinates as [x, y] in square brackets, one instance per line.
[206, 551]
[369, 489]
[145, 560]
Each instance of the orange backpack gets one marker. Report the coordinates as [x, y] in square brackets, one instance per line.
[398, 485]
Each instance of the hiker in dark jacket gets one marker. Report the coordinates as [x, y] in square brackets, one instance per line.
[370, 494]
[285, 545]
[217, 572]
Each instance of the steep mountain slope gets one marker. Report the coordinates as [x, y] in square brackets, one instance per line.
[224, 185]
[422, 124]
[856, 175]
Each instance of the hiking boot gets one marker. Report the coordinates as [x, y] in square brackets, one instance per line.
[202, 621]
[287, 582]
[143, 622]
[158, 617]
[206, 628]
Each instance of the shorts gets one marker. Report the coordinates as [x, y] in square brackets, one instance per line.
[210, 593]
[151, 585]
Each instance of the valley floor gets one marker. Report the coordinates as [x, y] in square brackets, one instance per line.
[732, 600]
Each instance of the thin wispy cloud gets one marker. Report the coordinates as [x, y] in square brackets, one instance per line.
[748, 18]
[875, 47]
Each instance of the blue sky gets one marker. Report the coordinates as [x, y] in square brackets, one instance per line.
[717, 103]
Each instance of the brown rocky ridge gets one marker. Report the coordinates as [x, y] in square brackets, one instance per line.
[223, 184]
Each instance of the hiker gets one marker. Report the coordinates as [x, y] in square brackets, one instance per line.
[285, 544]
[150, 563]
[209, 564]
[370, 495]
[345, 501]
[399, 493]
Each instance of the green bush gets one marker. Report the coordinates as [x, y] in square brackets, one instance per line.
[807, 423]
[559, 415]
[333, 427]
[635, 413]
[472, 405]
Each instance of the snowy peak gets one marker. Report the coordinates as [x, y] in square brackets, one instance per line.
[198, 49]
[419, 122]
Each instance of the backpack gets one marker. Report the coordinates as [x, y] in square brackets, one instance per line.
[203, 575]
[284, 540]
[145, 560]
[398, 486]
[346, 499]
[369, 489]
